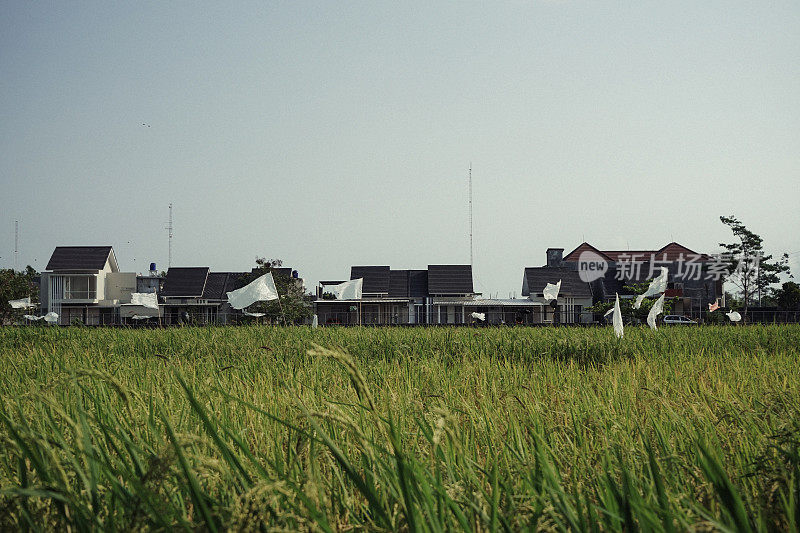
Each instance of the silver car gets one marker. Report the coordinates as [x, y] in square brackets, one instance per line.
[679, 320]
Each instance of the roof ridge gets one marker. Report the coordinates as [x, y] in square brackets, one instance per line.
[590, 246]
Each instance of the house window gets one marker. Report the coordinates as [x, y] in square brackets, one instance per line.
[80, 287]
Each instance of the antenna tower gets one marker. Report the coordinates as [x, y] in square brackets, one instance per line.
[169, 230]
[16, 243]
[470, 214]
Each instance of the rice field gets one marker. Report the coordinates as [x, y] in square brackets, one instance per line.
[437, 429]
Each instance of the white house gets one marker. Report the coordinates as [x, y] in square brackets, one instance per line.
[84, 284]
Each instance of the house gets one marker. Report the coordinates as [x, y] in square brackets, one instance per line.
[695, 279]
[439, 294]
[83, 284]
[574, 296]
[198, 296]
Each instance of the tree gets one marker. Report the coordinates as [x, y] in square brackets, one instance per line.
[14, 286]
[788, 296]
[749, 269]
[293, 305]
[638, 316]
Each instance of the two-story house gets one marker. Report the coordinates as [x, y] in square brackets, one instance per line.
[695, 279]
[83, 284]
[439, 294]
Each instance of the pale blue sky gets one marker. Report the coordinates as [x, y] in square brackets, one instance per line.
[332, 134]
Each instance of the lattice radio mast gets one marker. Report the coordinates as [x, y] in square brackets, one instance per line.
[470, 213]
[169, 232]
[16, 244]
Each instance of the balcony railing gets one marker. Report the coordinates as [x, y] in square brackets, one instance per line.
[73, 287]
[80, 295]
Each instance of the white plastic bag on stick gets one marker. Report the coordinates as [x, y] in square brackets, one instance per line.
[261, 289]
[656, 310]
[734, 316]
[657, 286]
[23, 303]
[551, 291]
[349, 290]
[145, 299]
[616, 319]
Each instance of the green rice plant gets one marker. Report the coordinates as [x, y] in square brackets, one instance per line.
[436, 429]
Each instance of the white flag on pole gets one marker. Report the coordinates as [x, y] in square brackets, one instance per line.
[657, 309]
[616, 319]
[49, 317]
[23, 303]
[551, 291]
[261, 289]
[657, 286]
[145, 299]
[734, 316]
[349, 290]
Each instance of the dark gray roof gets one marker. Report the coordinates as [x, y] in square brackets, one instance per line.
[218, 284]
[215, 285]
[236, 280]
[78, 258]
[418, 283]
[612, 285]
[536, 278]
[376, 278]
[187, 282]
[450, 279]
[282, 271]
[398, 283]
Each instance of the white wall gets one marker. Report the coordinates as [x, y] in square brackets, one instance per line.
[118, 286]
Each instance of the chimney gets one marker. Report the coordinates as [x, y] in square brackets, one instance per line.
[555, 257]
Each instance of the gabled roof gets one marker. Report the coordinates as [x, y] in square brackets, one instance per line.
[673, 251]
[215, 284]
[376, 278]
[536, 278]
[450, 279]
[235, 280]
[670, 252]
[185, 282]
[218, 284]
[82, 258]
[584, 247]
